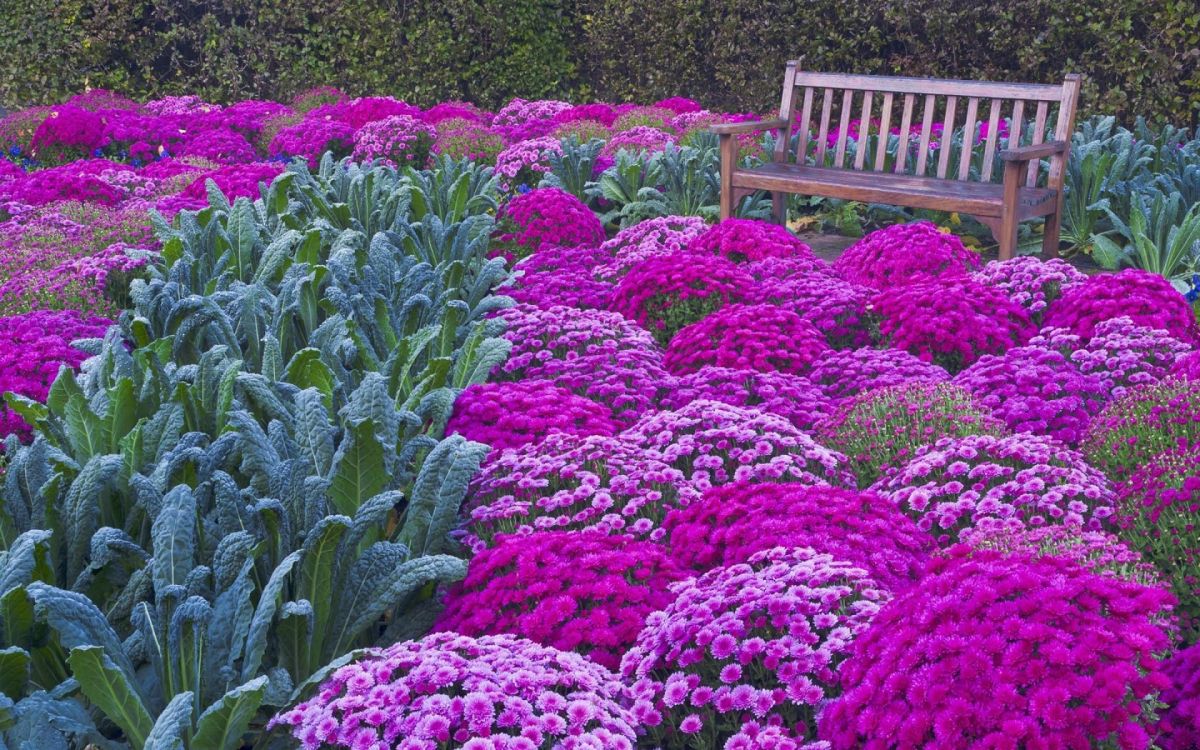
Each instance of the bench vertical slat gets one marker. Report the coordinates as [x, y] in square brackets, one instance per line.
[839, 156]
[947, 140]
[1017, 126]
[968, 144]
[989, 150]
[803, 123]
[823, 133]
[926, 131]
[1039, 134]
[885, 124]
[787, 112]
[905, 127]
[864, 131]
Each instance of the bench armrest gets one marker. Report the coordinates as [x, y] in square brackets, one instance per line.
[733, 128]
[1029, 153]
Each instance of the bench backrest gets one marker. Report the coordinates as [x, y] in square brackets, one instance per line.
[821, 107]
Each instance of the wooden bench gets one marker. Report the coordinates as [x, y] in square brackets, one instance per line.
[898, 173]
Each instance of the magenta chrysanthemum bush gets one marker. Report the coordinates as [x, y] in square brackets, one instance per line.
[234, 180]
[713, 443]
[843, 374]
[567, 482]
[1036, 390]
[882, 428]
[449, 691]
[1144, 422]
[1098, 551]
[755, 642]
[1187, 366]
[67, 133]
[792, 397]
[545, 217]
[665, 235]
[988, 648]
[638, 139]
[573, 590]
[311, 138]
[508, 415]
[989, 482]
[398, 140]
[562, 287]
[952, 322]
[1031, 282]
[524, 162]
[667, 292]
[903, 254]
[1122, 353]
[749, 240]
[572, 258]
[1180, 725]
[732, 522]
[1145, 298]
[747, 337]
[835, 307]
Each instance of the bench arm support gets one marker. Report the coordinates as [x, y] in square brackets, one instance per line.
[1029, 153]
[734, 128]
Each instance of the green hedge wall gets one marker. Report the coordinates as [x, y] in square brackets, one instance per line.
[1139, 56]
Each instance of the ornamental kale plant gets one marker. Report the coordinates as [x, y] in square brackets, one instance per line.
[747, 337]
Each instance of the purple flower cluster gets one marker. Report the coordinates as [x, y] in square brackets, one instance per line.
[663, 236]
[843, 374]
[664, 293]
[523, 162]
[1144, 422]
[1122, 354]
[311, 138]
[1031, 282]
[545, 217]
[835, 307]
[1098, 551]
[1180, 725]
[903, 254]
[1145, 298]
[399, 140]
[509, 415]
[747, 337]
[747, 240]
[792, 397]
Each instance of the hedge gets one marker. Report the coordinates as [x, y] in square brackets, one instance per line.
[1139, 56]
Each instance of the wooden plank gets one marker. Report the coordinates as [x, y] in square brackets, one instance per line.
[926, 130]
[989, 148]
[785, 112]
[864, 130]
[942, 86]
[839, 155]
[968, 144]
[885, 124]
[1039, 135]
[905, 126]
[945, 145]
[803, 124]
[823, 133]
[1017, 126]
[1057, 174]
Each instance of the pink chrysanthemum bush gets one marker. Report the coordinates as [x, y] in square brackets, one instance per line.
[759, 642]
[903, 254]
[399, 140]
[835, 307]
[749, 240]
[792, 397]
[844, 374]
[732, 522]
[996, 651]
[1036, 390]
[1187, 366]
[508, 415]
[1158, 512]
[1122, 353]
[951, 322]
[524, 162]
[748, 337]
[1031, 282]
[1180, 725]
[665, 235]
[987, 481]
[450, 692]
[311, 138]
[882, 428]
[665, 293]
[1145, 298]
[562, 287]
[712, 443]
[1144, 422]
[567, 482]
[1098, 551]
[463, 138]
[547, 216]
[573, 590]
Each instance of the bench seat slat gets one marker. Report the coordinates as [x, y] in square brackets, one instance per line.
[980, 199]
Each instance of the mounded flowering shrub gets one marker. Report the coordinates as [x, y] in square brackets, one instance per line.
[987, 481]
[449, 691]
[638, 139]
[843, 374]
[713, 443]
[786, 269]
[1122, 354]
[747, 337]
[732, 522]
[1031, 282]
[524, 162]
[1180, 725]
[758, 642]
[836, 308]
[882, 428]
[988, 648]
[951, 322]
[903, 254]
[643, 116]
[573, 590]
[545, 217]
[1145, 298]
[569, 258]
[792, 397]
[234, 180]
[664, 235]
[461, 138]
[1036, 390]
[311, 138]
[1144, 422]
[1187, 366]
[67, 133]
[1098, 551]
[220, 147]
[748, 240]
[1158, 512]
[567, 482]
[562, 287]
[665, 293]
[508, 415]
[398, 140]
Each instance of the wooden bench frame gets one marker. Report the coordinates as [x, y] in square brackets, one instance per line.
[999, 206]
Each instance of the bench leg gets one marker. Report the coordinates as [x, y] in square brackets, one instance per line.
[1050, 238]
[779, 207]
[728, 163]
[1008, 216]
